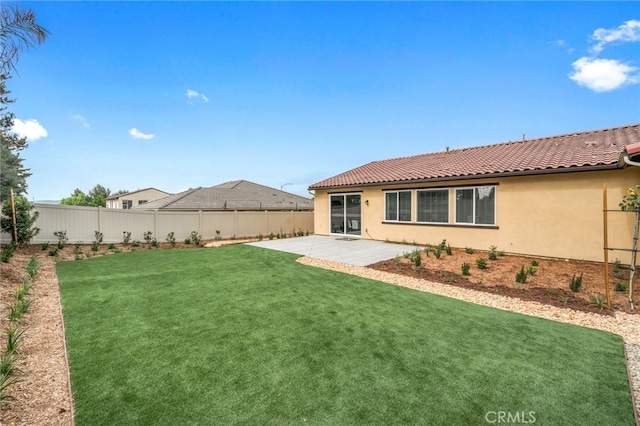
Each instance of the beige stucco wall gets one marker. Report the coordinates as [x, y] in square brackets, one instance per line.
[144, 195]
[555, 215]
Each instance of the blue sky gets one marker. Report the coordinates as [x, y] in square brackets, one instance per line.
[175, 95]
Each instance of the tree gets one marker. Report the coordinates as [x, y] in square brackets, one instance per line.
[24, 220]
[18, 29]
[14, 175]
[96, 197]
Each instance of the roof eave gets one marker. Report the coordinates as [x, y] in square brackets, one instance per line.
[599, 167]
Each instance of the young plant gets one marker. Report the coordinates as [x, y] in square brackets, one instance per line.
[171, 239]
[443, 244]
[465, 268]
[195, 238]
[521, 277]
[53, 251]
[148, 236]
[271, 235]
[598, 300]
[126, 237]
[7, 372]
[95, 246]
[532, 270]
[62, 238]
[7, 252]
[218, 236]
[468, 250]
[493, 254]
[534, 262]
[415, 258]
[437, 252]
[448, 250]
[481, 263]
[44, 246]
[32, 266]
[576, 283]
[14, 336]
[77, 247]
[18, 309]
[427, 250]
[622, 286]
[112, 247]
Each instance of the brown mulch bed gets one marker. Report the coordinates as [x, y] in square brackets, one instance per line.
[549, 285]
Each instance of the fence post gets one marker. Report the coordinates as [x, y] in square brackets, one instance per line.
[156, 225]
[200, 230]
[99, 218]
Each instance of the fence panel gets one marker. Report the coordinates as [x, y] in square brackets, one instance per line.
[82, 222]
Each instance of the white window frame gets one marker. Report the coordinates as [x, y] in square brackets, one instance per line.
[397, 219]
[475, 189]
[447, 190]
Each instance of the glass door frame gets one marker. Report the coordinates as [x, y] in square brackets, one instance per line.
[348, 222]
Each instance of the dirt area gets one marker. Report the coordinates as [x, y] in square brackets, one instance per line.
[549, 285]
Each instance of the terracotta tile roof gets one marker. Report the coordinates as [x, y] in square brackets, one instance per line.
[233, 195]
[555, 154]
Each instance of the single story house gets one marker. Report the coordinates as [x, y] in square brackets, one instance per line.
[541, 197]
[135, 198]
[235, 195]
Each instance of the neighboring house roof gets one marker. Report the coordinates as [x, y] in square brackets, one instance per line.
[592, 150]
[234, 195]
[115, 197]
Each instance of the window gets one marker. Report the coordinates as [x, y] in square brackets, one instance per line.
[127, 204]
[476, 205]
[397, 206]
[142, 202]
[433, 205]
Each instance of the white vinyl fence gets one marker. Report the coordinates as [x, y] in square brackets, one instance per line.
[80, 223]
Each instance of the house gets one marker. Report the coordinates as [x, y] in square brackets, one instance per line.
[541, 197]
[234, 195]
[134, 198]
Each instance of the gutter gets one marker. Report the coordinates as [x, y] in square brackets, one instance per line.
[627, 160]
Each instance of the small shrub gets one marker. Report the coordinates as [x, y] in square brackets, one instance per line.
[7, 372]
[148, 236]
[260, 237]
[135, 243]
[468, 250]
[622, 286]
[95, 246]
[532, 270]
[534, 262]
[171, 239]
[126, 237]
[98, 236]
[521, 277]
[575, 283]
[442, 245]
[218, 236]
[493, 254]
[448, 250]
[154, 243]
[78, 256]
[7, 252]
[187, 240]
[598, 300]
[53, 251]
[481, 263]
[77, 247]
[415, 258]
[437, 252]
[18, 309]
[271, 235]
[427, 250]
[44, 246]
[112, 247]
[465, 269]
[195, 238]
[62, 238]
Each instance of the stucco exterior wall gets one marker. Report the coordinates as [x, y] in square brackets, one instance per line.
[146, 195]
[555, 215]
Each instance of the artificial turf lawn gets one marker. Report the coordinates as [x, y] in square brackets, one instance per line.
[246, 335]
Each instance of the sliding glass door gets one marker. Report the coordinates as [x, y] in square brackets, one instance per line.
[345, 214]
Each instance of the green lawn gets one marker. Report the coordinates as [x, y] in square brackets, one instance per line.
[248, 336]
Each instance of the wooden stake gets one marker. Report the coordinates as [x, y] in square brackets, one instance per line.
[606, 245]
[13, 218]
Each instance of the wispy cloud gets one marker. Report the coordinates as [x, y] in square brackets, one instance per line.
[628, 32]
[562, 44]
[81, 120]
[191, 94]
[137, 134]
[604, 75]
[30, 129]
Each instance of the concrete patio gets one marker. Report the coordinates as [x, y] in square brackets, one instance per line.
[354, 251]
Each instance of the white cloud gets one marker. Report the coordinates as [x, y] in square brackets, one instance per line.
[30, 129]
[137, 134]
[81, 119]
[603, 75]
[628, 32]
[194, 94]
